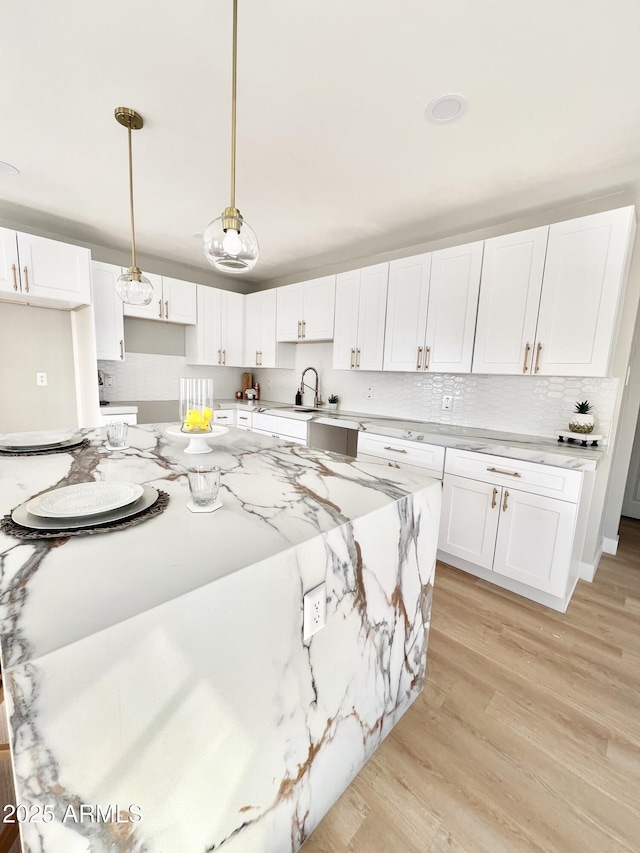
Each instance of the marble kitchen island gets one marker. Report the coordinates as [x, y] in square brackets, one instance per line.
[160, 673]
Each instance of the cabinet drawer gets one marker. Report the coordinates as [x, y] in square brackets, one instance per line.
[398, 466]
[288, 427]
[427, 456]
[532, 477]
[244, 420]
[289, 438]
[223, 417]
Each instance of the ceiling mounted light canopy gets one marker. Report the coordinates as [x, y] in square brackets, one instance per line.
[230, 245]
[132, 286]
[446, 108]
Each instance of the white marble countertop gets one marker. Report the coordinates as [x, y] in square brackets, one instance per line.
[545, 451]
[275, 496]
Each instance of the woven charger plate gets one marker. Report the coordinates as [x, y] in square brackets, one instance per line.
[46, 451]
[8, 525]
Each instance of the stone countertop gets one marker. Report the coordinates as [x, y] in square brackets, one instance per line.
[275, 496]
[545, 451]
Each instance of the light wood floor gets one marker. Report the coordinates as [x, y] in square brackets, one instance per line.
[527, 735]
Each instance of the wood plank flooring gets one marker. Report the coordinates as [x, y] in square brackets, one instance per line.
[527, 735]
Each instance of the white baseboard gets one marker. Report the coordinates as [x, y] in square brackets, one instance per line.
[610, 546]
[587, 571]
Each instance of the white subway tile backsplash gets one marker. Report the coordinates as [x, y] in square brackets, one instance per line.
[525, 404]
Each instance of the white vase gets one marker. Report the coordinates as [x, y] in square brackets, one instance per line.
[581, 423]
[332, 406]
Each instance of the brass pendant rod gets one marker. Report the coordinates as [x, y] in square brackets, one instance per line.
[233, 102]
[133, 230]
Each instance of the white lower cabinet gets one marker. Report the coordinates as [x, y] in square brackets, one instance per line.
[244, 420]
[224, 417]
[288, 429]
[501, 519]
[401, 453]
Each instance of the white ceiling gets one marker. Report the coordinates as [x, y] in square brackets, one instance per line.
[335, 158]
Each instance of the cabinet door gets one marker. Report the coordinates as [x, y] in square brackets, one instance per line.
[584, 272]
[155, 309]
[179, 299]
[9, 265]
[510, 286]
[232, 328]
[345, 334]
[55, 271]
[203, 343]
[267, 350]
[107, 311]
[535, 538]
[372, 312]
[469, 520]
[289, 312]
[407, 302]
[252, 329]
[319, 298]
[453, 307]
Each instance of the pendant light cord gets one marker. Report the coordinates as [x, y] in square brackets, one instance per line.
[233, 103]
[133, 230]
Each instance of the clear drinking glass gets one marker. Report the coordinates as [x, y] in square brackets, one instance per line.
[204, 482]
[117, 435]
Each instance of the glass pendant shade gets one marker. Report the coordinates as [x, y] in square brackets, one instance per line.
[132, 287]
[230, 249]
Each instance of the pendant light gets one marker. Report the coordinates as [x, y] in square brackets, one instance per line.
[132, 286]
[230, 245]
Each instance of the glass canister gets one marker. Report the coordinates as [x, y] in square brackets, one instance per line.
[196, 405]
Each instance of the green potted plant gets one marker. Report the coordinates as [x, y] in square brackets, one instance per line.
[582, 420]
[332, 402]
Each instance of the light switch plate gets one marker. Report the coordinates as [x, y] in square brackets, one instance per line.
[314, 611]
[447, 403]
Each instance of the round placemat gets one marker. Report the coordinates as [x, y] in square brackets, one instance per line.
[8, 525]
[46, 451]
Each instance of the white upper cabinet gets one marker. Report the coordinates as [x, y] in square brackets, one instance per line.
[453, 306]
[108, 313]
[586, 267]
[261, 349]
[305, 311]
[407, 303]
[218, 336]
[360, 310]
[510, 287]
[44, 272]
[174, 301]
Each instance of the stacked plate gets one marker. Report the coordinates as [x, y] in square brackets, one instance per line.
[36, 442]
[84, 505]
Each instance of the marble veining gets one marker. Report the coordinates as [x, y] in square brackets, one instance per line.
[163, 670]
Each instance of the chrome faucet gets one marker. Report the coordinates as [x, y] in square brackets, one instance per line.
[303, 385]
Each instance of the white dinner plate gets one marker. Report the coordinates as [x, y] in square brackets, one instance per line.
[84, 499]
[18, 440]
[24, 518]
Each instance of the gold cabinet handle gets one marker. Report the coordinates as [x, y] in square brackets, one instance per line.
[357, 359]
[243, 418]
[395, 449]
[507, 473]
[419, 363]
[219, 356]
[26, 279]
[504, 502]
[538, 351]
[221, 418]
[427, 357]
[224, 356]
[15, 276]
[304, 329]
[257, 362]
[122, 350]
[352, 365]
[299, 331]
[525, 366]
[160, 308]
[493, 499]
[260, 358]
[166, 309]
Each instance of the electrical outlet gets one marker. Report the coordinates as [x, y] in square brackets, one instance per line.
[41, 379]
[109, 381]
[314, 611]
[268, 385]
[370, 393]
[447, 403]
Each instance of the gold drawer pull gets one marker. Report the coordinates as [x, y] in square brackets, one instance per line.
[358, 359]
[507, 473]
[122, 350]
[419, 364]
[525, 366]
[427, 357]
[221, 418]
[506, 498]
[26, 279]
[166, 309]
[538, 351]
[395, 449]
[15, 277]
[493, 499]
[160, 308]
[351, 365]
